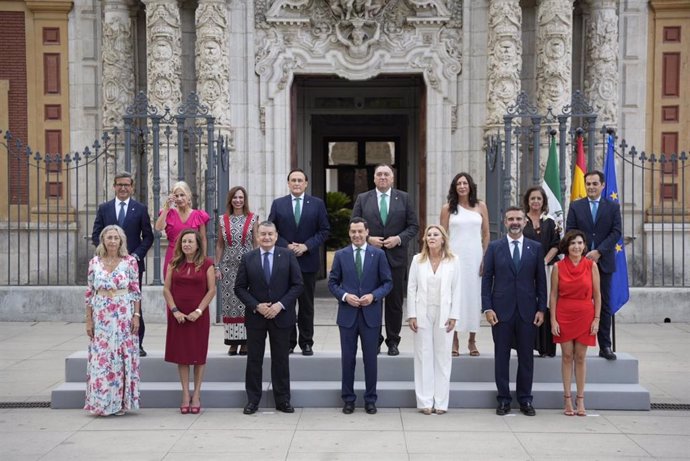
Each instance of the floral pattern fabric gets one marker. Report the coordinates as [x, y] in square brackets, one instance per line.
[112, 374]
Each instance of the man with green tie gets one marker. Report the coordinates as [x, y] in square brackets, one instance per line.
[392, 225]
[359, 280]
[302, 223]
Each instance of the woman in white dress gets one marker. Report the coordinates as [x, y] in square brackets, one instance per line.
[466, 220]
[433, 305]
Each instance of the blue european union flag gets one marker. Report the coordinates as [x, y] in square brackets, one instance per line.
[620, 293]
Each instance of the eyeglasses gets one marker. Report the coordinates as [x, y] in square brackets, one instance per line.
[122, 185]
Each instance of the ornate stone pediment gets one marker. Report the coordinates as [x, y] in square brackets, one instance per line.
[357, 39]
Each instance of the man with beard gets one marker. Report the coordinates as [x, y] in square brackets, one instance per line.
[514, 302]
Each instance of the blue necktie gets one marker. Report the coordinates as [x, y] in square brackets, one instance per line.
[595, 207]
[267, 268]
[121, 215]
[516, 255]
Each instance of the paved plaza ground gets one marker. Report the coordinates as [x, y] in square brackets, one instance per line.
[32, 363]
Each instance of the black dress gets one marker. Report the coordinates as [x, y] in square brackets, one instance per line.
[548, 235]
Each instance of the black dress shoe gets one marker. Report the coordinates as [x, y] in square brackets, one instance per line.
[370, 408]
[607, 353]
[349, 408]
[307, 350]
[285, 407]
[142, 352]
[503, 409]
[250, 408]
[393, 350]
[291, 350]
[527, 409]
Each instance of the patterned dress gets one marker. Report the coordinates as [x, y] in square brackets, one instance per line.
[112, 371]
[233, 309]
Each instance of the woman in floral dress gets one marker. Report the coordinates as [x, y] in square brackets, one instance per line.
[113, 303]
[236, 231]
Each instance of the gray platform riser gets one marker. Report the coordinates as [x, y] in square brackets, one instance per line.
[390, 395]
[326, 367]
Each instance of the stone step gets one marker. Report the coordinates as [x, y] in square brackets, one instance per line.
[315, 382]
[325, 366]
[391, 394]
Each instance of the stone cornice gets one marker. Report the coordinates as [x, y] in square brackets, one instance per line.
[50, 6]
[669, 5]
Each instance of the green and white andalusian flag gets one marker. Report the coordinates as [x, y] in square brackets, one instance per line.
[552, 187]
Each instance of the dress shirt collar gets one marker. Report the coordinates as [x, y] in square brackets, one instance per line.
[270, 251]
[379, 193]
[117, 204]
[510, 241]
[297, 196]
[363, 247]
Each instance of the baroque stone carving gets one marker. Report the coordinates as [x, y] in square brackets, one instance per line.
[554, 54]
[118, 66]
[212, 63]
[356, 38]
[505, 58]
[601, 73]
[164, 48]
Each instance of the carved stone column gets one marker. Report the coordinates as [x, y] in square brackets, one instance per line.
[505, 59]
[163, 76]
[118, 72]
[118, 62]
[601, 62]
[212, 69]
[554, 54]
[212, 62]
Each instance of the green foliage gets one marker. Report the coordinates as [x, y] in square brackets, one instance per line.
[339, 217]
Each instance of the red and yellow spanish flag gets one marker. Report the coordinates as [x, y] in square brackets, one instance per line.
[577, 189]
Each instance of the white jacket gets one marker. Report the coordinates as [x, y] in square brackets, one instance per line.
[417, 290]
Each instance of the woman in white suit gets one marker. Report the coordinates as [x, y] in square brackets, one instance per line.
[433, 306]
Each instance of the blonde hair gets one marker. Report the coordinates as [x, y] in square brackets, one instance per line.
[179, 257]
[185, 188]
[445, 248]
[122, 251]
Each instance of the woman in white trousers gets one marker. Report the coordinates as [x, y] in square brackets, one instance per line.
[433, 306]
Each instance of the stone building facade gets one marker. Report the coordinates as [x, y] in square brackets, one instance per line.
[336, 86]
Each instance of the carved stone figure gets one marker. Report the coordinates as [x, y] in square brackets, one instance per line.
[118, 66]
[505, 58]
[554, 54]
[601, 65]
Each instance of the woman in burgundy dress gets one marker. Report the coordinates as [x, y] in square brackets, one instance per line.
[575, 305]
[190, 285]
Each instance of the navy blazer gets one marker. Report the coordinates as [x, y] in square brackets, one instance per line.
[137, 227]
[313, 228]
[285, 287]
[402, 221]
[605, 233]
[376, 279]
[505, 289]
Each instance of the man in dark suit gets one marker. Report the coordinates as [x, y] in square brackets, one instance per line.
[302, 224]
[268, 283]
[600, 220]
[392, 225]
[359, 280]
[514, 302]
[133, 218]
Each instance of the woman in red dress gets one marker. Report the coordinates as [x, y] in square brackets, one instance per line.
[190, 285]
[575, 304]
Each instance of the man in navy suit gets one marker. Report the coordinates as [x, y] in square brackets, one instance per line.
[392, 226]
[303, 226]
[359, 279]
[268, 282]
[514, 302]
[600, 220]
[133, 218]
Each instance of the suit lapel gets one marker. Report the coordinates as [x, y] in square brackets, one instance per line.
[505, 249]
